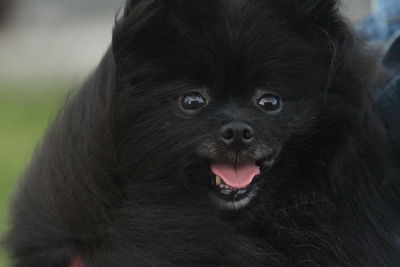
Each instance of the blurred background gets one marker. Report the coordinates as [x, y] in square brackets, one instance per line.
[47, 47]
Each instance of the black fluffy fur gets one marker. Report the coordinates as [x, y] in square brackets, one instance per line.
[119, 178]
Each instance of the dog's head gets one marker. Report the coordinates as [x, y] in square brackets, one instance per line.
[211, 95]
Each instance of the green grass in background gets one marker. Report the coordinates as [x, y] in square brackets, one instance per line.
[25, 111]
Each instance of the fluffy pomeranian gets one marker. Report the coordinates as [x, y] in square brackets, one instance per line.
[216, 133]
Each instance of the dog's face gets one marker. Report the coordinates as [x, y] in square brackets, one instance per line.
[213, 93]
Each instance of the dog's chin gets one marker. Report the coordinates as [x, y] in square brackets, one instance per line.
[227, 195]
[234, 203]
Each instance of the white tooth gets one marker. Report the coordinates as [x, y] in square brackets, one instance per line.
[226, 192]
[240, 192]
[218, 180]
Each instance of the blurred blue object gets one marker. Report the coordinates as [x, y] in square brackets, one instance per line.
[389, 101]
[384, 26]
[384, 21]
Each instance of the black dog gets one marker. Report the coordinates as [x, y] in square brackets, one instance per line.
[217, 133]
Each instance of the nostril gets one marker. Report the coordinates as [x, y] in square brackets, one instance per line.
[228, 134]
[248, 134]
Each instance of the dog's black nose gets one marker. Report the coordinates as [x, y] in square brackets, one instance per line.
[236, 134]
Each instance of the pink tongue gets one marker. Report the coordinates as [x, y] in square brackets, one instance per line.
[236, 176]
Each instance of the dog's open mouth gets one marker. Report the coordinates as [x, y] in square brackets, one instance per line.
[234, 181]
[235, 185]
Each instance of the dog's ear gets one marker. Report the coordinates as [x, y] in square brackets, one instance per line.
[315, 7]
[131, 5]
[319, 12]
[140, 19]
[136, 7]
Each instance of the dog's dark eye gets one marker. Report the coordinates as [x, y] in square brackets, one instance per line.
[192, 101]
[270, 103]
